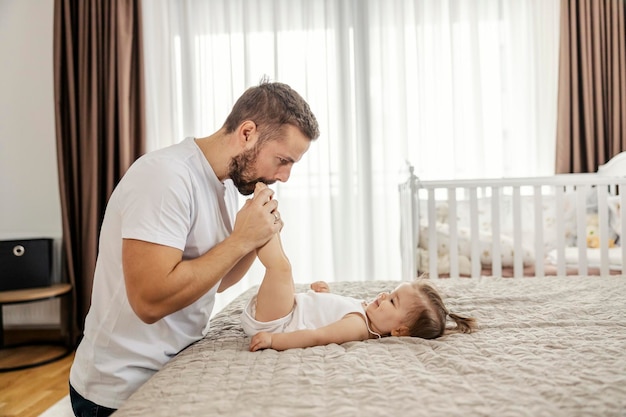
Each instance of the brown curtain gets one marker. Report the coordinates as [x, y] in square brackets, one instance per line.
[100, 125]
[591, 125]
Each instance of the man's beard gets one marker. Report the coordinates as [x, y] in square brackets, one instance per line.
[240, 171]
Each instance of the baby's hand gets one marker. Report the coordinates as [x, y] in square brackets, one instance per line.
[262, 340]
[320, 286]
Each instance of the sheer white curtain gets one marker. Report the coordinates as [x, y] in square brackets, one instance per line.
[461, 89]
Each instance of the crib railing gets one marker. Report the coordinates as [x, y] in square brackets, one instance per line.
[421, 200]
[409, 225]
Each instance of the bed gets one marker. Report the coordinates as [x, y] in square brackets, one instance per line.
[553, 346]
[551, 315]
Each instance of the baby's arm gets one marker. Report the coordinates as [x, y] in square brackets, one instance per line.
[350, 328]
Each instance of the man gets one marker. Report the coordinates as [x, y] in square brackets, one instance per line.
[172, 237]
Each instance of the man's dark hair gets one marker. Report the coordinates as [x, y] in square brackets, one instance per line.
[271, 105]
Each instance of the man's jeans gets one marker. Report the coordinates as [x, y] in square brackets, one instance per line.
[85, 408]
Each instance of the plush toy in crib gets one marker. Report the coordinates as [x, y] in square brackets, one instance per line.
[593, 232]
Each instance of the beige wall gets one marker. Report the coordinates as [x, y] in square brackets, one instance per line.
[29, 190]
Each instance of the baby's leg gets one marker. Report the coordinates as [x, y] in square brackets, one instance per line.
[275, 298]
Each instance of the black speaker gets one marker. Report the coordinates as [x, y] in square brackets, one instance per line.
[25, 263]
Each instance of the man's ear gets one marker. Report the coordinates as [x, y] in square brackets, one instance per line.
[401, 331]
[246, 132]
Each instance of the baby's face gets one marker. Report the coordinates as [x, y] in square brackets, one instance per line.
[389, 311]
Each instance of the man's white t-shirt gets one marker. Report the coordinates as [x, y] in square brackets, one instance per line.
[170, 197]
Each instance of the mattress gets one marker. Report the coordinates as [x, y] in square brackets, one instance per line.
[545, 346]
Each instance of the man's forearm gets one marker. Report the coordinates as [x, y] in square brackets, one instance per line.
[237, 272]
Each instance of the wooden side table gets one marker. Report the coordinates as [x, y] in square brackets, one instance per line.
[32, 295]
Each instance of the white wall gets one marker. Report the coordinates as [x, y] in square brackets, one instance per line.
[29, 189]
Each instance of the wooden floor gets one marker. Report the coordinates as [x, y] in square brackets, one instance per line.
[30, 392]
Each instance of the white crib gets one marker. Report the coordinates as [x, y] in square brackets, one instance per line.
[569, 224]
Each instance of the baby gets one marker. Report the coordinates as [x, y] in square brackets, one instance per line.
[279, 318]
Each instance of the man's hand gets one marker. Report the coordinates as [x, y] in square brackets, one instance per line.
[262, 340]
[320, 286]
[258, 219]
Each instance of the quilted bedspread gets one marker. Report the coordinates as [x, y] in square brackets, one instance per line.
[551, 346]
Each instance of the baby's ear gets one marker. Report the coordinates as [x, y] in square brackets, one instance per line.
[401, 331]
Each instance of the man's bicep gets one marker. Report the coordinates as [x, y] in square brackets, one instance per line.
[145, 264]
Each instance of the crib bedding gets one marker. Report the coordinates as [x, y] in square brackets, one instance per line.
[546, 346]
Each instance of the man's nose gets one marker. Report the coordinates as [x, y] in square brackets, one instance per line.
[283, 174]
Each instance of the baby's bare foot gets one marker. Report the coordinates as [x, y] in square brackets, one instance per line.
[260, 186]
